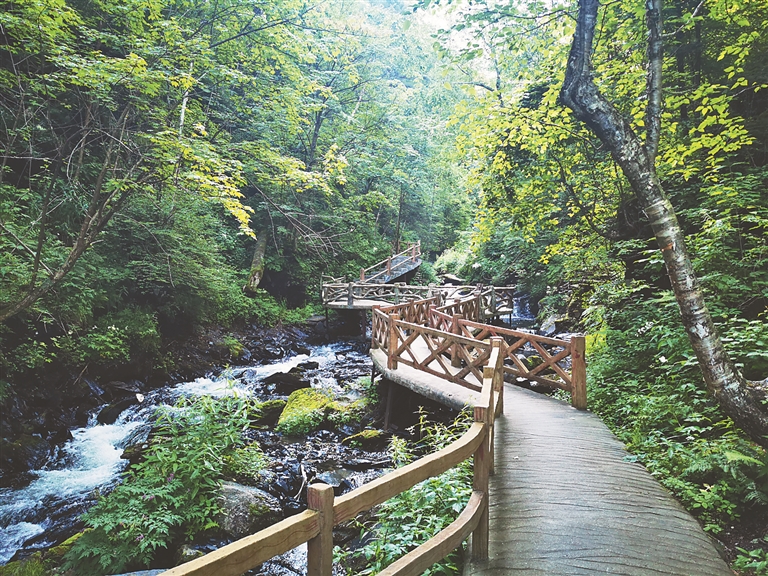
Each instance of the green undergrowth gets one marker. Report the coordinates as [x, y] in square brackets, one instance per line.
[644, 382]
[171, 495]
[416, 515]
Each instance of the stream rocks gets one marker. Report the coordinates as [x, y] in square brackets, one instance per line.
[246, 510]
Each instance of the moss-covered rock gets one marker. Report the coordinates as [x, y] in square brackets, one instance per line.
[309, 409]
[367, 439]
[32, 566]
[268, 413]
[305, 411]
[57, 552]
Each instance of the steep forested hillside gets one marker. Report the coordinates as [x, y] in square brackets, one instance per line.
[150, 148]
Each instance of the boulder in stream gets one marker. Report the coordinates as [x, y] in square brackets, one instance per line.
[288, 382]
[367, 440]
[246, 510]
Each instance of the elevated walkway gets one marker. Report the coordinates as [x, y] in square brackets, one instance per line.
[565, 498]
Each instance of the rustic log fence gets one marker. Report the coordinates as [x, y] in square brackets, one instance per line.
[315, 525]
[450, 343]
[491, 300]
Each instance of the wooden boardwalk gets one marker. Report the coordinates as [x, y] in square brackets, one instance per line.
[565, 498]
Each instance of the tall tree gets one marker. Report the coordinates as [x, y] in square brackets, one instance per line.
[637, 159]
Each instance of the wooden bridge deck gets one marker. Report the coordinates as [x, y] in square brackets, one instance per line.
[566, 500]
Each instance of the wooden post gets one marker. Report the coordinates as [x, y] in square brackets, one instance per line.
[499, 382]
[397, 294]
[391, 353]
[480, 483]
[413, 253]
[362, 274]
[456, 329]
[374, 321]
[389, 265]
[350, 294]
[388, 411]
[578, 373]
[480, 308]
[493, 302]
[494, 373]
[320, 548]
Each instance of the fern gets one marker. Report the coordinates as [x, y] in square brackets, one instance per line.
[167, 498]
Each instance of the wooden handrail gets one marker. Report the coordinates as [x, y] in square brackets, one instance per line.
[385, 487]
[437, 548]
[413, 252]
[247, 553]
[315, 526]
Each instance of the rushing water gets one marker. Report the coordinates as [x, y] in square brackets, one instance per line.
[37, 515]
[520, 316]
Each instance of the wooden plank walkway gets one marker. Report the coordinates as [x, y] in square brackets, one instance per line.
[566, 500]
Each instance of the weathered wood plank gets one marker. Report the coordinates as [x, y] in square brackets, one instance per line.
[247, 553]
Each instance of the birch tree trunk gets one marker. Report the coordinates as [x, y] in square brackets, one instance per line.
[257, 264]
[637, 161]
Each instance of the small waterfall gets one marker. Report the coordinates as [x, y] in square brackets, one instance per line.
[521, 315]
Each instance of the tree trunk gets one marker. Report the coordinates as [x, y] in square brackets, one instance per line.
[637, 162]
[257, 264]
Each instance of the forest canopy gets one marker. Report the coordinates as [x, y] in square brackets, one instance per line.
[158, 157]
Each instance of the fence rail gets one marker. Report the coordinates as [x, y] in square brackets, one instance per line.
[493, 300]
[315, 525]
[450, 340]
[408, 256]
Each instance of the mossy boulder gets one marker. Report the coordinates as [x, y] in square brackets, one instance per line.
[309, 409]
[30, 567]
[57, 552]
[306, 410]
[367, 439]
[268, 413]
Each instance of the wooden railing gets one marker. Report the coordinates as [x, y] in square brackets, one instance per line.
[492, 299]
[409, 255]
[315, 525]
[450, 344]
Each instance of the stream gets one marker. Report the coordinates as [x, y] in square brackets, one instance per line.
[46, 511]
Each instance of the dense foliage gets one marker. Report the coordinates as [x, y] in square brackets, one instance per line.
[558, 217]
[171, 495]
[146, 145]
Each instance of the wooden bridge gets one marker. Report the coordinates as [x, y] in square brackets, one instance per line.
[378, 285]
[554, 492]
